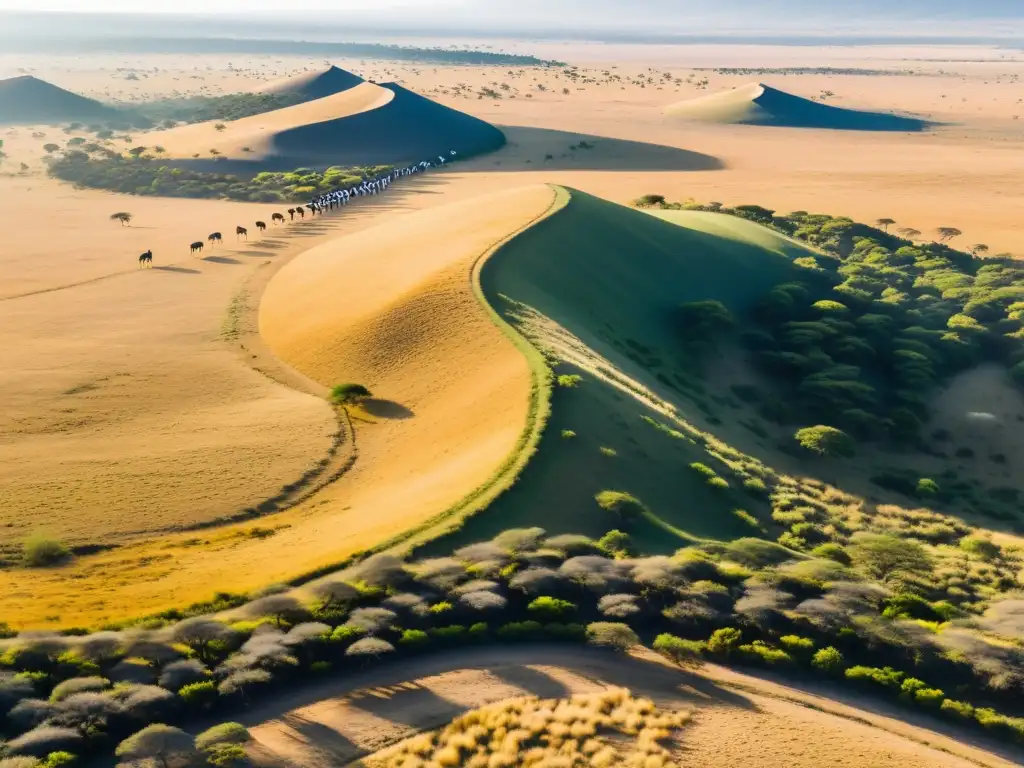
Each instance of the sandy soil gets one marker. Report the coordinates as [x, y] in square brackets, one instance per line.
[203, 401]
[737, 719]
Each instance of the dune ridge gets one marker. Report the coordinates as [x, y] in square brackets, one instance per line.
[315, 85]
[27, 99]
[367, 124]
[760, 104]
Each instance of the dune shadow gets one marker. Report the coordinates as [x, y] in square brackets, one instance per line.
[386, 409]
[221, 259]
[182, 270]
[546, 149]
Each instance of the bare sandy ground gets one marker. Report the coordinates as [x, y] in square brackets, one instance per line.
[737, 719]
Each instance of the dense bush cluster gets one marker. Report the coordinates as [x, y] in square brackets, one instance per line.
[143, 174]
[751, 600]
[877, 323]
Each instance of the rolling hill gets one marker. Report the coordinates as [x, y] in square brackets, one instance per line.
[759, 104]
[315, 85]
[27, 100]
[595, 286]
[367, 124]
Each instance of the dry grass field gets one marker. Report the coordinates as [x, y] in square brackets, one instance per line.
[131, 407]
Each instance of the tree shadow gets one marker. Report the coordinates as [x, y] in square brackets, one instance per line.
[255, 253]
[530, 680]
[544, 149]
[182, 270]
[418, 708]
[386, 409]
[331, 747]
[221, 259]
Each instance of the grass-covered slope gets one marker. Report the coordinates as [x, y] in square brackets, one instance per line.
[26, 99]
[758, 104]
[597, 286]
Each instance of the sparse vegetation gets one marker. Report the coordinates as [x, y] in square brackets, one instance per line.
[42, 551]
[349, 394]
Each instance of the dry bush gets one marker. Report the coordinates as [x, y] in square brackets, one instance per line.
[611, 728]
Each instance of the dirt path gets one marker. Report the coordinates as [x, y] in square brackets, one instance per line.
[739, 720]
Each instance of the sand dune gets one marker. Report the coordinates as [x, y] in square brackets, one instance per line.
[367, 124]
[259, 132]
[314, 85]
[759, 104]
[29, 100]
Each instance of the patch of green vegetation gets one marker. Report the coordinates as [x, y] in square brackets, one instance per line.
[42, 551]
[148, 175]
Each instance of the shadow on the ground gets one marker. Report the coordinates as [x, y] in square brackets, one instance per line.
[386, 409]
[181, 270]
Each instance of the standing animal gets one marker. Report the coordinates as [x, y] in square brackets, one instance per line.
[277, 217]
[261, 226]
[197, 246]
[214, 238]
[239, 231]
[146, 259]
[301, 212]
[291, 214]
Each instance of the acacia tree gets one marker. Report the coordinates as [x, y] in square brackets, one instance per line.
[979, 249]
[948, 233]
[910, 233]
[164, 744]
[883, 556]
[885, 223]
[121, 216]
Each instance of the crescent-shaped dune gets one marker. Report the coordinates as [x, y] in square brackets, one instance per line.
[759, 104]
[26, 99]
[368, 124]
[314, 85]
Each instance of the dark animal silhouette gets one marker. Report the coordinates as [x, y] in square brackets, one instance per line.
[291, 214]
[197, 246]
[261, 225]
[312, 210]
[215, 238]
[146, 259]
[301, 212]
[277, 217]
[239, 231]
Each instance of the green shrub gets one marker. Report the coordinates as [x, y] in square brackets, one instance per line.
[887, 677]
[616, 543]
[520, 630]
[442, 607]
[926, 488]
[59, 760]
[796, 644]
[414, 638]
[200, 695]
[755, 486]
[762, 653]
[478, 631]
[832, 551]
[825, 441]
[569, 380]
[348, 394]
[679, 651]
[747, 519]
[718, 483]
[345, 634]
[546, 608]
[979, 547]
[227, 756]
[958, 709]
[225, 733]
[568, 434]
[703, 469]
[828, 660]
[611, 453]
[724, 641]
[449, 634]
[612, 634]
[40, 551]
[624, 506]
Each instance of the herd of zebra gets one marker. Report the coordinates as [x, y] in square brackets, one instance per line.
[326, 202]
